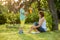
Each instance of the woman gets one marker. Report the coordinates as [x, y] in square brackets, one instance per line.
[41, 25]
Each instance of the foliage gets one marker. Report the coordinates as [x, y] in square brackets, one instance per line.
[3, 9]
[44, 4]
[48, 17]
[12, 18]
[2, 19]
[57, 4]
[9, 18]
[34, 16]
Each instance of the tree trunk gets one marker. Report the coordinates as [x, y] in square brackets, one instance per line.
[54, 14]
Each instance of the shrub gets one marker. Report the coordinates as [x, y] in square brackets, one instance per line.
[2, 19]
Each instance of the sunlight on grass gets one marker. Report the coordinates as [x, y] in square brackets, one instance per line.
[12, 34]
[59, 26]
[41, 36]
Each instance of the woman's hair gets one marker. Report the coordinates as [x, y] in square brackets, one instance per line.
[41, 13]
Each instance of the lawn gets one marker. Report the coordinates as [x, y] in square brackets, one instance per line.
[12, 34]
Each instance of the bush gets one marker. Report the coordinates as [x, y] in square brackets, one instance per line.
[32, 17]
[48, 17]
[12, 18]
[2, 19]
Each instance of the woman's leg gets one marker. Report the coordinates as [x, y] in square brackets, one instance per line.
[41, 29]
[33, 28]
[36, 30]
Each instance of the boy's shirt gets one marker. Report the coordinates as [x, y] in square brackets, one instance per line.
[22, 14]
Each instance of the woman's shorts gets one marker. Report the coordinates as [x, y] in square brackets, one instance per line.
[40, 29]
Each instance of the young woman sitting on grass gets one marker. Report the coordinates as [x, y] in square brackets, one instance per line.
[41, 25]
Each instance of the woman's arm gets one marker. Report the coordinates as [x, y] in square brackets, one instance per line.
[40, 22]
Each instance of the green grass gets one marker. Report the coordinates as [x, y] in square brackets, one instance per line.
[59, 26]
[12, 34]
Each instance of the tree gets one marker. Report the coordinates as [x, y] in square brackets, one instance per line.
[54, 14]
[57, 2]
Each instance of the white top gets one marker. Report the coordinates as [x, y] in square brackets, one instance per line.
[44, 25]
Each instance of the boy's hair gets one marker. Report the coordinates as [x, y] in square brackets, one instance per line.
[41, 13]
[21, 5]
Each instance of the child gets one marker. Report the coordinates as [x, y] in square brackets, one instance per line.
[22, 17]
